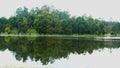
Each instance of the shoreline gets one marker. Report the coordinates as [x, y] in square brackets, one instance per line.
[49, 35]
[74, 36]
[60, 35]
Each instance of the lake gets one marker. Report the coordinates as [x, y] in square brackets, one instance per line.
[56, 52]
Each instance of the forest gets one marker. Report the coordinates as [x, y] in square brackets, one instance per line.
[49, 20]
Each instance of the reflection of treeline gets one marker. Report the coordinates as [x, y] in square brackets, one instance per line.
[48, 49]
[48, 20]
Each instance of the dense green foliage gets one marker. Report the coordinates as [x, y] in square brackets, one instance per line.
[47, 20]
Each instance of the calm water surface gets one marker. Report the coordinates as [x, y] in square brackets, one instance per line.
[43, 52]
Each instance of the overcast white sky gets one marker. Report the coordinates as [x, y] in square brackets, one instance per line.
[106, 9]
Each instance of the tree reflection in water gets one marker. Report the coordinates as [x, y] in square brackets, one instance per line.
[48, 49]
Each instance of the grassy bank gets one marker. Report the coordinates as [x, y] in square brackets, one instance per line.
[48, 35]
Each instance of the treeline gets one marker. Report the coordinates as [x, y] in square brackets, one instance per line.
[48, 20]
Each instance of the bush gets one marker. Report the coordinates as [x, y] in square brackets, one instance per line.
[14, 31]
[7, 30]
[31, 31]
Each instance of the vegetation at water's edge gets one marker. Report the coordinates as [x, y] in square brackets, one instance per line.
[48, 20]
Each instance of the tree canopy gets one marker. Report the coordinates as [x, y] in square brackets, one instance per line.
[48, 20]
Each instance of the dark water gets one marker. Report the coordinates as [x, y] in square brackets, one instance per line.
[43, 52]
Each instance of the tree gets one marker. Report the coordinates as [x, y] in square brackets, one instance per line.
[43, 22]
[48, 20]
[3, 22]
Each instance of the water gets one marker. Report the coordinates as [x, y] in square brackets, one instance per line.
[44, 52]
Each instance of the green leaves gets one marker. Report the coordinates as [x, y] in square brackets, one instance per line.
[48, 20]
[7, 30]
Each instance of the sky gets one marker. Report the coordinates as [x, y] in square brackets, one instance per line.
[104, 9]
